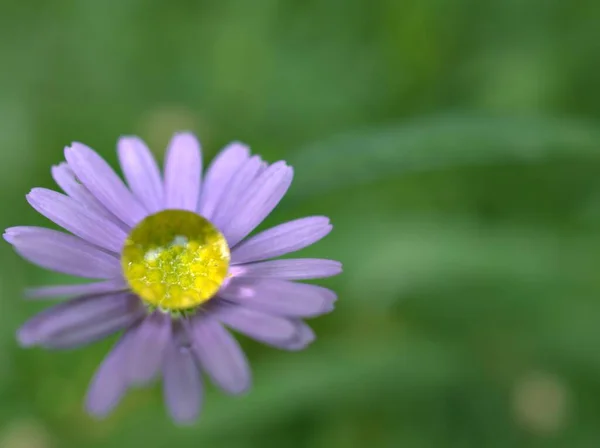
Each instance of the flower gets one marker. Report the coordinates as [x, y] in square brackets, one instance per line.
[177, 268]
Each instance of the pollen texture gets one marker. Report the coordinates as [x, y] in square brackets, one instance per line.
[175, 260]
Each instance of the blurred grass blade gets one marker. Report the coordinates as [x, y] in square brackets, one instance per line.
[436, 143]
[319, 380]
[424, 252]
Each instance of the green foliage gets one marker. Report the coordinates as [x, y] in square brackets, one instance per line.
[455, 146]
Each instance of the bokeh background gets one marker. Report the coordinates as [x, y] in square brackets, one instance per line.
[454, 144]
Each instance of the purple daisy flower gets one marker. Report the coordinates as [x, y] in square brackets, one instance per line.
[176, 268]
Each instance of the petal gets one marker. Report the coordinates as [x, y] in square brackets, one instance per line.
[141, 172]
[149, 343]
[80, 321]
[65, 178]
[183, 169]
[101, 180]
[302, 338]
[88, 334]
[238, 185]
[218, 175]
[289, 269]
[110, 382]
[258, 202]
[220, 356]
[77, 219]
[182, 387]
[64, 253]
[283, 239]
[87, 289]
[280, 297]
[256, 324]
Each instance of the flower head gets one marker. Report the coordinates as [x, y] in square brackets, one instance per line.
[176, 267]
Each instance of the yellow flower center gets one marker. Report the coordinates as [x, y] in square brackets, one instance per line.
[175, 260]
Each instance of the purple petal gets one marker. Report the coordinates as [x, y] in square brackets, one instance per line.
[220, 356]
[81, 321]
[182, 387]
[82, 336]
[183, 169]
[254, 206]
[238, 185]
[110, 382]
[256, 324]
[148, 348]
[65, 178]
[218, 175]
[104, 184]
[77, 219]
[87, 289]
[141, 172]
[283, 239]
[280, 297]
[289, 269]
[64, 253]
[263, 167]
[302, 338]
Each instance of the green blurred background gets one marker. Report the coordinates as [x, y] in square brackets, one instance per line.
[454, 144]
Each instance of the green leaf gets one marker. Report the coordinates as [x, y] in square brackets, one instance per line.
[319, 380]
[436, 143]
[387, 256]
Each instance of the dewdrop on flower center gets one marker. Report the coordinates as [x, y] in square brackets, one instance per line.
[175, 260]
